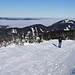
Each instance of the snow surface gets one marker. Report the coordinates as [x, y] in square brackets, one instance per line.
[38, 59]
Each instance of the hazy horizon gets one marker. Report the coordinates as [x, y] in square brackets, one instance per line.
[24, 23]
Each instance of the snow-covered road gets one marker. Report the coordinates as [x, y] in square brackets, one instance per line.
[38, 59]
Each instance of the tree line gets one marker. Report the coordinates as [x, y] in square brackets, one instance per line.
[21, 37]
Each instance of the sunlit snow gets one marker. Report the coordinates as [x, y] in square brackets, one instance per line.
[38, 59]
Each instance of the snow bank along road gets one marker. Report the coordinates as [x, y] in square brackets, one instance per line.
[38, 59]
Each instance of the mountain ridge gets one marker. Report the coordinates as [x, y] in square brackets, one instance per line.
[38, 32]
[6, 18]
[65, 24]
[60, 25]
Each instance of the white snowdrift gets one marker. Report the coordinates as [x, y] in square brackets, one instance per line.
[38, 59]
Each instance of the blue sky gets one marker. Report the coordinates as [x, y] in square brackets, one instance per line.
[37, 8]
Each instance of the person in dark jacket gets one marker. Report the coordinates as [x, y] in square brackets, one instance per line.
[60, 41]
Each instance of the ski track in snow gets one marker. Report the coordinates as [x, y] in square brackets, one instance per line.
[38, 59]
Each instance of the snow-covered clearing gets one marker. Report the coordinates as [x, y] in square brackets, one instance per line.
[38, 59]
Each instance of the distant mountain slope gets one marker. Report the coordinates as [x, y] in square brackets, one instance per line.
[63, 25]
[40, 28]
[3, 27]
[37, 28]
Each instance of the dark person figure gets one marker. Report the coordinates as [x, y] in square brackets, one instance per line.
[60, 41]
